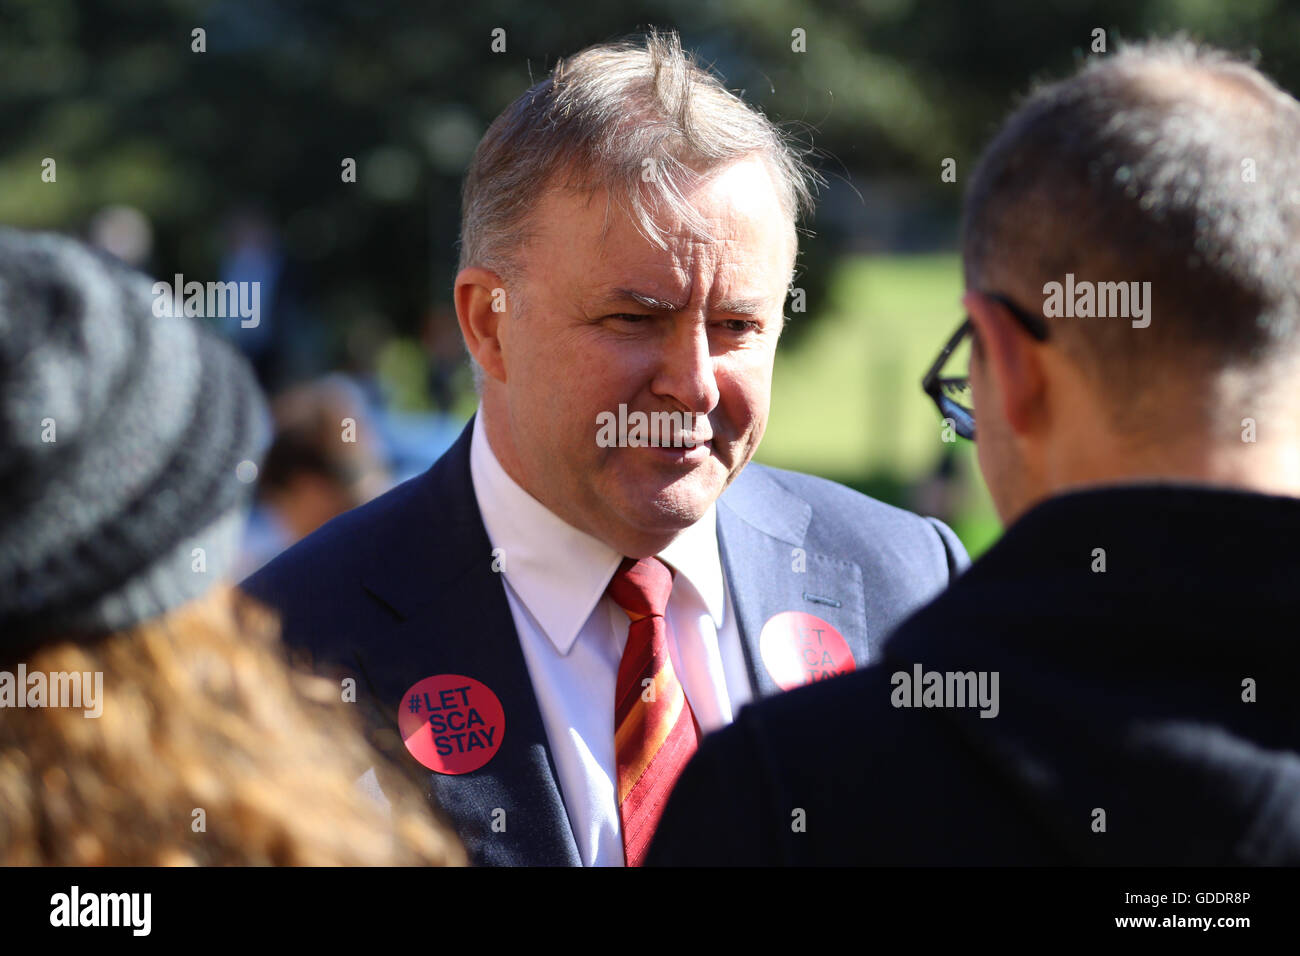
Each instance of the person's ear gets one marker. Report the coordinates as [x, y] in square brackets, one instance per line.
[1011, 360]
[480, 306]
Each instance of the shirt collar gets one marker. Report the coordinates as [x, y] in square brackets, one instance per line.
[693, 554]
[561, 594]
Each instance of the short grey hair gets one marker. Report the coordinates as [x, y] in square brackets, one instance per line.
[1132, 169]
[595, 122]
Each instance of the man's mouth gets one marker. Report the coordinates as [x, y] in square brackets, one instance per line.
[690, 445]
[687, 454]
[681, 437]
[691, 439]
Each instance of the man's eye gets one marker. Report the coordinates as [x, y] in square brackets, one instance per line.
[740, 325]
[630, 316]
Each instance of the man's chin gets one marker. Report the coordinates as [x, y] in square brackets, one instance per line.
[671, 505]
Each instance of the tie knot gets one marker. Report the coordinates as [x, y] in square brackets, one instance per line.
[641, 588]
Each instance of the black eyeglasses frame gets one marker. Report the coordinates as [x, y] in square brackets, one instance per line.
[964, 418]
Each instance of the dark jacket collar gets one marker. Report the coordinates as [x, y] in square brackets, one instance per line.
[1148, 532]
[408, 577]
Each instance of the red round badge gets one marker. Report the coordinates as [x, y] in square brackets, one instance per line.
[452, 724]
[800, 648]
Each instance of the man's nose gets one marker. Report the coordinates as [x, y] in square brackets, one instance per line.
[686, 367]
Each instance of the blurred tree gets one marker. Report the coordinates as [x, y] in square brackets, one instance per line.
[117, 95]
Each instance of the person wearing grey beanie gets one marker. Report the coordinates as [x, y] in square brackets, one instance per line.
[179, 733]
[127, 445]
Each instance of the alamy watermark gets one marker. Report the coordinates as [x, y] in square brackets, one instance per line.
[1086, 300]
[922, 688]
[75, 908]
[83, 689]
[213, 300]
[651, 430]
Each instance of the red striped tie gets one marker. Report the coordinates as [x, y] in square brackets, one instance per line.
[654, 729]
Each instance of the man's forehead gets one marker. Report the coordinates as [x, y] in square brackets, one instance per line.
[591, 235]
[727, 274]
[735, 198]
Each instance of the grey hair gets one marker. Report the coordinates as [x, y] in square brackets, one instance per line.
[1132, 169]
[600, 120]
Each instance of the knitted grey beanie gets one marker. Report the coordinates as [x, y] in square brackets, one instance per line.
[127, 444]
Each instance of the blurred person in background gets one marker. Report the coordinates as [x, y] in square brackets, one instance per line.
[146, 713]
[325, 459]
[288, 343]
[440, 337]
[124, 232]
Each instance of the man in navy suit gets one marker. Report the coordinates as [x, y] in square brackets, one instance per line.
[1114, 681]
[546, 622]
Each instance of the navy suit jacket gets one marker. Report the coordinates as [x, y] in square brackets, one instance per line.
[403, 588]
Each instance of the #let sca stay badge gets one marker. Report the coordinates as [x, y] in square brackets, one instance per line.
[799, 648]
[451, 723]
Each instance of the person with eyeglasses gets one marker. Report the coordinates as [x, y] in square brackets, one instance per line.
[1113, 682]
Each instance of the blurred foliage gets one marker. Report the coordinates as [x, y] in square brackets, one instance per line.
[847, 402]
[288, 88]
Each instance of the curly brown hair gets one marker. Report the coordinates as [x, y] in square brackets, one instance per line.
[202, 712]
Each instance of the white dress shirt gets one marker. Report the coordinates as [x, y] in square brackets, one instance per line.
[573, 636]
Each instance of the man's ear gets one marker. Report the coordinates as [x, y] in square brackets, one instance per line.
[480, 306]
[1011, 359]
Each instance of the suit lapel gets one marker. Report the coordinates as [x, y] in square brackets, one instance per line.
[451, 617]
[762, 530]
[432, 570]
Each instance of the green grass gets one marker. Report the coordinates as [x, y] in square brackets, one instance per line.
[847, 401]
